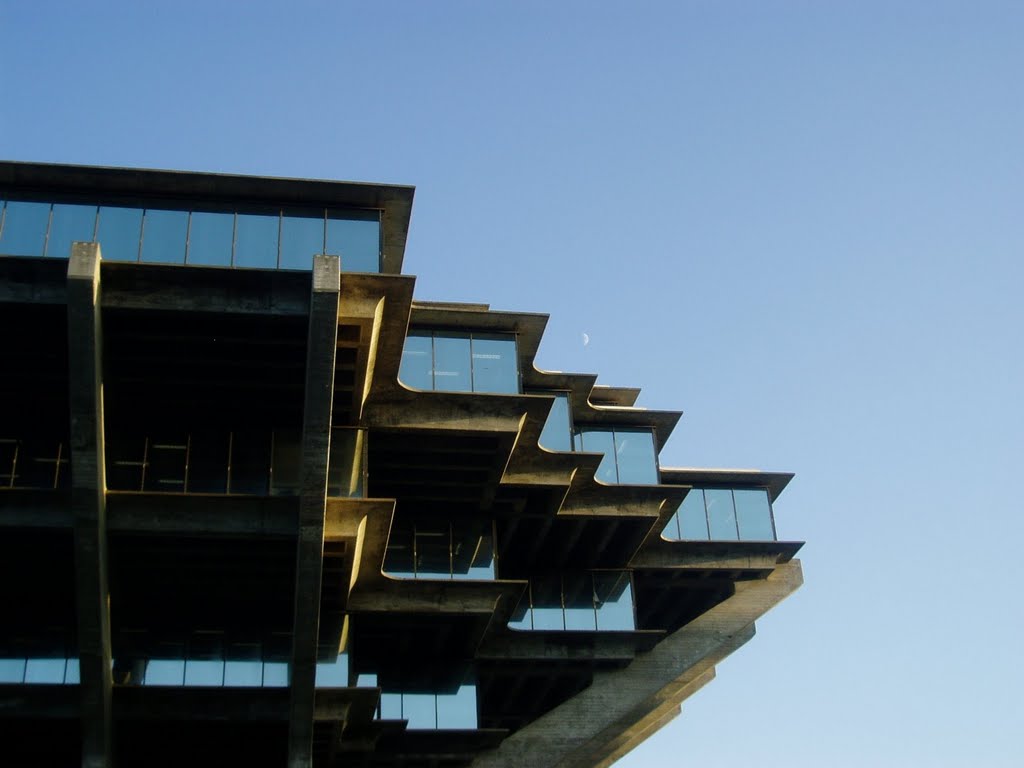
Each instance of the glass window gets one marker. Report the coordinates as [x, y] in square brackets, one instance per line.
[250, 462]
[45, 670]
[753, 514]
[601, 441]
[71, 673]
[457, 711]
[495, 363]
[208, 457]
[164, 234]
[420, 709]
[578, 598]
[256, 240]
[399, 559]
[12, 670]
[210, 238]
[521, 618]
[472, 551]
[356, 241]
[205, 663]
[452, 362]
[613, 600]
[275, 674]
[546, 603]
[418, 361]
[165, 672]
[390, 706]
[721, 514]
[302, 237]
[24, 231]
[70, 224]
[432, 544]
[243, 665]
[332, 673]
[166, 463]
[692, 518]
[557, 433]
[119, 233]
[635, 456]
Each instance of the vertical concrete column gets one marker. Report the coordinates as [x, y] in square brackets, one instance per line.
[321, 351]
[88, 501]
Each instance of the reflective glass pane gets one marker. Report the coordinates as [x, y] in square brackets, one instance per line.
[165, 672]
[472, 550]
[557, 433]
[754, 514]
[457, 711]
[357, 242]
[243, 665]
[24, 232]
[600, 441]
[613, 596]
[332, 673]
[346, 469]
[721, 515]
[433, 550]
[205, 663]
[302, 237]
[277, 650]
[451, 362]
[420, 709]
[210, 237]
[163, 236]
[635, 456]
[285, 462]
[275, 674]
[256, 240]
[71, 673]
[398, 558]
[495, 363]
[12, 670]
[546, 601]
[578, 596]
[521, 618]
[70, 223]
[119, 233]
[390, 706]
[45, 670]
[693, 521]
[417, 361]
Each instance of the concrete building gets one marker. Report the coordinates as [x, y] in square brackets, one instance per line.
[261, 507]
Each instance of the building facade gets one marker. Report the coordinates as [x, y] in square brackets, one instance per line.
[260, 505]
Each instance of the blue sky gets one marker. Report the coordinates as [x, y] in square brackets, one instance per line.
[800, 222]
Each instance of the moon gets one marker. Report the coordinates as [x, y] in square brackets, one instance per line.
[586, 339]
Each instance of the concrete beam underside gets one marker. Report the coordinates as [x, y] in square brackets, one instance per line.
[88, 501]
[623, 707]
[316, 435]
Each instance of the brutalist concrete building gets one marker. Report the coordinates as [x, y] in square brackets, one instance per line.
[261, 507]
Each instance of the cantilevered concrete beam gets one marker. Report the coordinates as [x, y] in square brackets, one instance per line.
[621, 707]
[88, 502]
[316, 439]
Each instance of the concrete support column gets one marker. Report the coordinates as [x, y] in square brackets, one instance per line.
[88, 501]
[316, 439]
[621, 707]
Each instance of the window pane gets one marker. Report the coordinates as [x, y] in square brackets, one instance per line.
[205, 663]
[578, 596]
[210, 236]
[302, 237]
[165, 470]
[635, 456]
[546, 596]
[433, 554]
[693, 521]
[126, 456]
[119, 233]
[457, 710]
[24, 232]
[614, 599]
[600, 441]
[557, 433]
[250, 462]
[417, 361]
[520, 618]
[398, 558]
[71, 674]
[45, 670]
[208, 462]
[451, 362]
[420, 709]
[390, 706]
[243, 666]
[754, 514]
[165, 672]
[472, 551]
[163, 236]
[70, 223]
[12, 670]
[332, 673]
[356, 241]
[495, 364]
[275, 674]
[256, 241]
[721, 515]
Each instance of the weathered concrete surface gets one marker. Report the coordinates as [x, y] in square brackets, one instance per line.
[88, 503]
[621, 707]
[316, 438]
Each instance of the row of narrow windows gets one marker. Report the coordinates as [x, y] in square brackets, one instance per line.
[266, 238]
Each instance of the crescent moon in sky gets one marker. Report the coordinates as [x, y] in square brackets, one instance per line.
[586, 339]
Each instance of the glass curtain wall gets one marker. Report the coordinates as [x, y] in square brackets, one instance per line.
[723, 514]
[452, 708]
[453, 361]
[440, 549]
[588, 601]
[268, 238]
[629, 454]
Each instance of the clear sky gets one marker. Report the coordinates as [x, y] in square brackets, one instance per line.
[800, 222]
